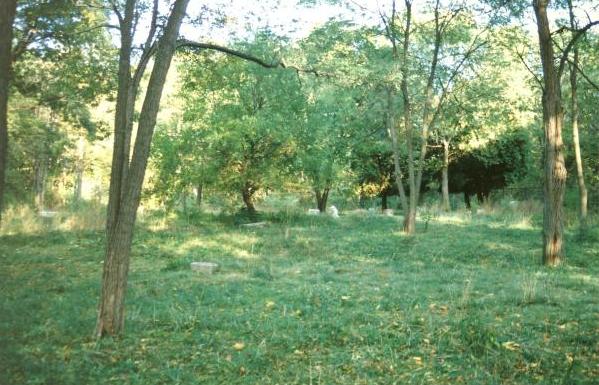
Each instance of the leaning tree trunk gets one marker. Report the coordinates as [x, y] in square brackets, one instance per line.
[554, 168]
[124, 104]
[582, 190]
[321, 198]
[7, 14]
[445, 180]
[111, 314]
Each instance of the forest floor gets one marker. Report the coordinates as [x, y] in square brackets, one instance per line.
[306, 300]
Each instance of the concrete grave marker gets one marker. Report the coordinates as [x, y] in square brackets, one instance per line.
[204, 267]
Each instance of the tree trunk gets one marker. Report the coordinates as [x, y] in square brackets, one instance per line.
[111, 313]
[554, 168]
[79, 169]
[7, 14]
[409, 223]
[41, 174]
[582, 190]
[184, 201]
[392, 129]
[199, 194]
[445, 182]
[247, 194]
[123, 107]
[384, 203]
[322, 198]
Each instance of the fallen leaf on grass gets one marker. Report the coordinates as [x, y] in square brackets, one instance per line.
[238, 346]
[511, 345]
[570, 358]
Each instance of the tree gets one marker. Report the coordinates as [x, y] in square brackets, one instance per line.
[481, 105]
[39, 29]
[432, 98]
[127, 176]
[574, 112]
[244, 117]
[334, 106]
[180, 158]
[553, 118]
[59, 59]
[7, 13]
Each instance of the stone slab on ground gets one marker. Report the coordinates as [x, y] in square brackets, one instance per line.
[48, 214]
[255, 224]
[204, 267]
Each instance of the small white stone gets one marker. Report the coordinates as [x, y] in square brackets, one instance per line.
[334, 212]
[313, 212]
[204, 267]
[388, 212]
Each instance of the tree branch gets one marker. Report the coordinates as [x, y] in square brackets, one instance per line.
[471, 50]
[249, 57]
[116, 11]
[581, 72]
[535, 77]
[577, 34]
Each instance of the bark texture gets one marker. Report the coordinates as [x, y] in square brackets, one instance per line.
[554, 167]
[111, 314]
[123, 105]
[7, 15]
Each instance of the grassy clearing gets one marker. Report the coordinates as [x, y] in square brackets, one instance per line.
[306, 300]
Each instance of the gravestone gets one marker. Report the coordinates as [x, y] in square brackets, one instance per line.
[204, 267]
[334, 212]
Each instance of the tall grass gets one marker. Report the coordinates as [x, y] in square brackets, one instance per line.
[23, 219]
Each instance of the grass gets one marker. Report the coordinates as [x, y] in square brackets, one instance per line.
[305, 300]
